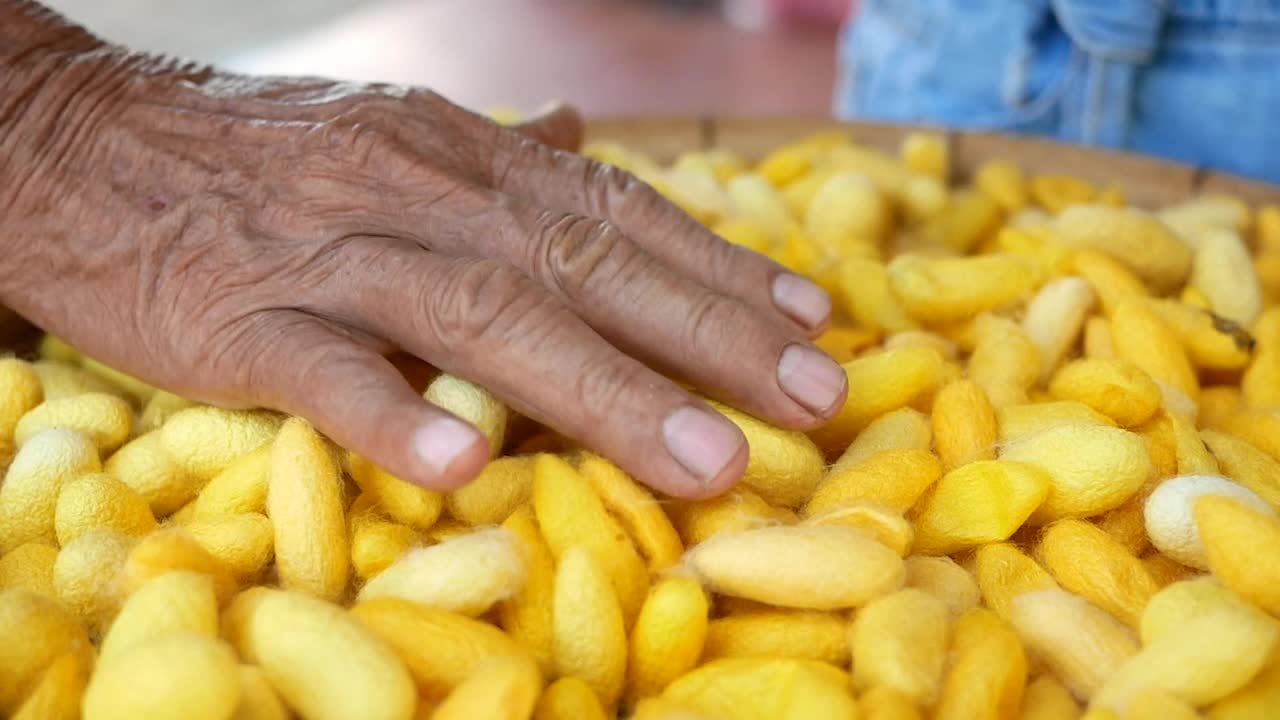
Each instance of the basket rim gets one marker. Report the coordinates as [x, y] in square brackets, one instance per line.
[709, 131]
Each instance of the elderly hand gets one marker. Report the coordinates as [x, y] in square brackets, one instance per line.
[254, 242]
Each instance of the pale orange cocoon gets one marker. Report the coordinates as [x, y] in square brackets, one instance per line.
[780, 633]
[106, 419]
[170, 549]
[944, 579]
[885, 703]
[1177, 604]
[900, 641]
[964, 424]
[637, 510]
[1253, 701]
[526, 615]
[1004, 182]
[947, 289]
[1080, 642]
[812, 567]
[1111, 280]
[244, 542]
[1005, 362]
[1144, 340]
[894, 479]
[1212, 342]
[571, 513]
[864, 283]
[982, 502]
[669, 636]
[738, 509]
[1193, 455]
[1209, 657]
[1086, 561]
[1046, 699]
[404, 502]
[29, 566]
[1097, 339]
[988, 672]
[503, 688]
[99, 500]
[1243, 548]
[902, 429]
[1017, 422]
[1134, 237]
[240, 488]
[1091, 469]
[1126, 525]
[179, 601]
[1162, 446]
[22, 392]
[1115, 388]
[85, 576]
[29, 493]
[304, 502]
[764, 689]
[168, 677]
[322, 661]
[784, 466]
[1164, 569]
[569, 698]
[144, 465]
[207, 440]
[1245, 464]
[1055, 192]
[1055, 318]
[1004, 572]
[878, 383]
[505, 484]
[466, 574]
[589, 639]
[61, 689]
[440, 648]
[885, 526]
[1260, 428]
[34, 631]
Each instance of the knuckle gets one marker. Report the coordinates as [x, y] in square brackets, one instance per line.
[576, 254]
[602, 387]
[715, 322]
[473, 303]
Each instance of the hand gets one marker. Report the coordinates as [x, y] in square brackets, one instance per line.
[267, 243]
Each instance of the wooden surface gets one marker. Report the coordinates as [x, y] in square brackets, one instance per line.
[1145, 181]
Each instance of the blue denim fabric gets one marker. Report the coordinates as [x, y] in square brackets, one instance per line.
[1191, 80]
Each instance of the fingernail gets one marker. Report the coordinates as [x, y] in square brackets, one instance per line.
[811, 378]
[442, 441]
[801, 300]
[702, 441]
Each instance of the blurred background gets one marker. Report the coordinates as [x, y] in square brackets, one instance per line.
[609, 57]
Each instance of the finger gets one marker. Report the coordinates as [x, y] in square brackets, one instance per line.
[484, 320]
[662, 317]
[583, 186]
[557, 125]
[359, 399]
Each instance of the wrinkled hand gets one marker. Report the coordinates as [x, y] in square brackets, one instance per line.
[268, 243]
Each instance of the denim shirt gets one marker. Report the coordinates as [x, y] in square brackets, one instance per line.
[1190, 80]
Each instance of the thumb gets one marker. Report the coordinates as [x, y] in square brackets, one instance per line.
[557, 125]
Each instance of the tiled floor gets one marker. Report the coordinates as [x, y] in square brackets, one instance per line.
[607, 56]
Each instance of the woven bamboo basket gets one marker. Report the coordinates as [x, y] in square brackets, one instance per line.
[1145, 181]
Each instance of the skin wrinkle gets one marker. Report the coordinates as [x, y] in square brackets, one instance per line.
[238, 240]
